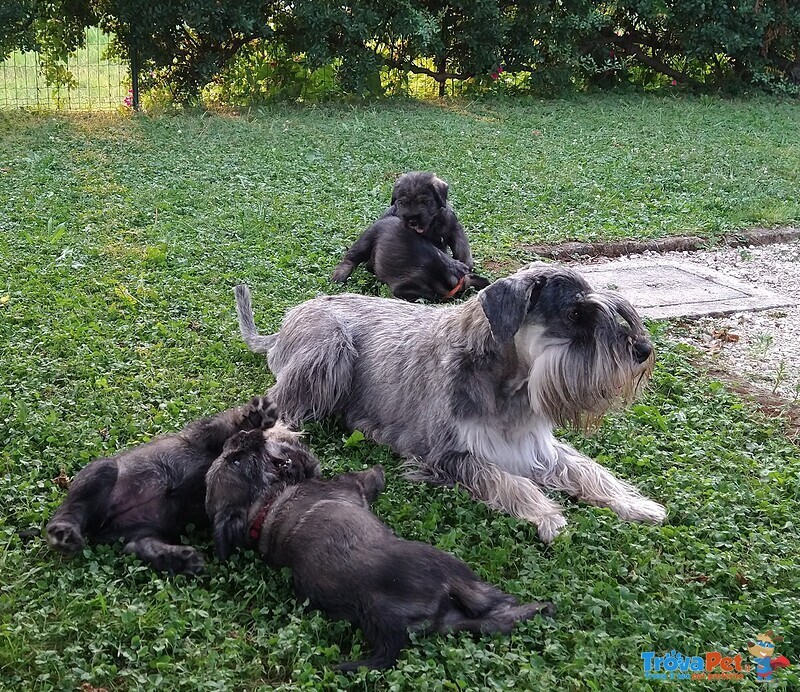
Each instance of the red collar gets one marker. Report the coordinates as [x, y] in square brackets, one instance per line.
[455, 289]
[258, 522]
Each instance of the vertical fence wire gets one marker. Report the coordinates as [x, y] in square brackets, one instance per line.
[100, 82]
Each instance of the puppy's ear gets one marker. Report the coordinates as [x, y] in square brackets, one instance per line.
[440, 190]
[372, 482]
[229, 533]
[396, 188]
[311, 466]
[506, 303]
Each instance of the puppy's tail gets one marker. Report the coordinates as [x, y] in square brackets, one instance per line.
[247, 326]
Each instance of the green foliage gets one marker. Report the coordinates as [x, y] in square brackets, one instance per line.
[261, 72]
[699, 42]
[53, 28]
[183, 45]
[120, 241]
[251, 50]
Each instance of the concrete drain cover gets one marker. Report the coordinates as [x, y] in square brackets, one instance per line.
[660, 289]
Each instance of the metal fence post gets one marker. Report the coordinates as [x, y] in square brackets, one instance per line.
[134, 71]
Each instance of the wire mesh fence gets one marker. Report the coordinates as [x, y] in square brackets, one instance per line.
[96, 81]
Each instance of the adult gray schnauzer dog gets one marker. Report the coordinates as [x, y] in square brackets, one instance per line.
[346, 562]
[470, 394]
[146, 496]
[407, 247]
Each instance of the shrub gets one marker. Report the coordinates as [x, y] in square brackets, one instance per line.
[313, 48]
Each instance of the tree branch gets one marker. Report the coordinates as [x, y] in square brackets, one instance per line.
[408, 66]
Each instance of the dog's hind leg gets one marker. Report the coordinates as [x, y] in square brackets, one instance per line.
[587, 480]
[165, 557]
[478, 607]
[359, 252]
[386, 640]
[520, 497]
[313, 363]
[85, 507]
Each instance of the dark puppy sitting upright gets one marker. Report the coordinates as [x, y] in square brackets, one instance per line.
[345, 561]
[147, 495]
[407, 247]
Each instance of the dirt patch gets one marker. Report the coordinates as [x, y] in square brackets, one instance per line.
[756, 354]
[502, 268]
[771, 405]
[617, 248]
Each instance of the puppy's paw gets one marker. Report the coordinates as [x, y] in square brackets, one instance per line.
[65, 537]
[164, 557]
[187, 561]
[549, 527]
[545, 609]
[477, 282]
[342, 272]
[261, 412]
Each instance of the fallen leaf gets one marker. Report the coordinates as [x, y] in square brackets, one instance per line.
[725, 335]
[87, 687]
[62, 480]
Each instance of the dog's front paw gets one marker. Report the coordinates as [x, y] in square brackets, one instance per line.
[261, 412]
[477, 282]
[65, 537]
[550, 526]
[641, 509]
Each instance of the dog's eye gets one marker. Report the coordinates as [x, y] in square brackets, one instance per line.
[573, 314]
[236, 461]
[285, 463]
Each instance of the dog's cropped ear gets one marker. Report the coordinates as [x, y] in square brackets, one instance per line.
[440, 190]
[372, 482]
[506, 303]
[229, 533]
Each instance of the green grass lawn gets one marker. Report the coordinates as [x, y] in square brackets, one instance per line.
[120, 240]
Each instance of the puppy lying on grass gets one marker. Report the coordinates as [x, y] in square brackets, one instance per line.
[344, 560]
[146, 496]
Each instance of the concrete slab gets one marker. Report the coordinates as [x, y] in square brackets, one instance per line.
[661, 289]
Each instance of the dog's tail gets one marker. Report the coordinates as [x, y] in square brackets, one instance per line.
[247, 326]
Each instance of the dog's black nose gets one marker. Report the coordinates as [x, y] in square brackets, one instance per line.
[642, 350]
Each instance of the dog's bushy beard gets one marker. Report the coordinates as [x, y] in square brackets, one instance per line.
[573, 382]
